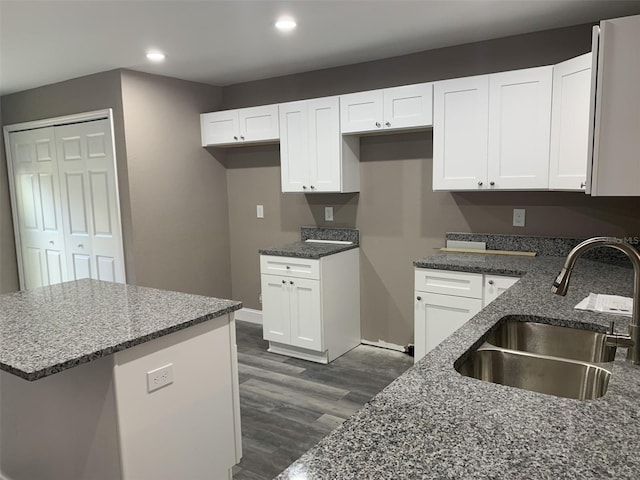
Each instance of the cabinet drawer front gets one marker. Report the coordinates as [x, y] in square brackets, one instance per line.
[460, 284]
[290, 266]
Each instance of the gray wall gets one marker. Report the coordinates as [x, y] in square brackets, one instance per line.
[8, 266]
[399, 216]
[178, 189]
[172, 192]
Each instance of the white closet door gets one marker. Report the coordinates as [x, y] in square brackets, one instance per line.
[90, 209]
[39, 217]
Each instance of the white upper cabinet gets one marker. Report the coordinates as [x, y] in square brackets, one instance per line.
[314, 157]
[398, 108]
[616, 136]
[519, 129]
[570, 124]
[241, 126]
[491, 132]
[460, 133]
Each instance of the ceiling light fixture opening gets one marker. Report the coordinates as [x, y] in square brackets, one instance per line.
[286, 24]
[155, 56]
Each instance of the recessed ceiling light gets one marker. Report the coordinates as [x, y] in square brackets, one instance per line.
[286, 24]
[155, 56]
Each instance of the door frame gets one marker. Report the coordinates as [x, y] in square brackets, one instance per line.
[53, 122]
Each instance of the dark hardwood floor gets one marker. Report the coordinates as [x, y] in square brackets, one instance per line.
[288, 405]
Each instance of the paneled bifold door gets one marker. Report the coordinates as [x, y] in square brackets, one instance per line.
[65, 199]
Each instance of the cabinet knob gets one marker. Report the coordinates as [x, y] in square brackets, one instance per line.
[235, 137]
[80, 245]
[242, 138]
[51, 242]
[388, 124]
[291, 282]
[304, 187]
[284, 281]
[583, 184]
[418, 298]
[490, 282]
[492, 183]
[479, 184]
[312, 187]
[378, 124]
[288, 267]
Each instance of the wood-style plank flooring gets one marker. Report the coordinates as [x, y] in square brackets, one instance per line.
[287, 405]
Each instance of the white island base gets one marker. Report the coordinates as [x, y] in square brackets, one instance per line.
[98, 420]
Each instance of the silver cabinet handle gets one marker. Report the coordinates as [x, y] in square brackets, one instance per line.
[492, 183]
[388, 124]
[418, 298]
[583, 184]
[479, 184]
[490, 282]
[378, 124]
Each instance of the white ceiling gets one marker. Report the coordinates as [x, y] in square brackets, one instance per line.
[227, 42]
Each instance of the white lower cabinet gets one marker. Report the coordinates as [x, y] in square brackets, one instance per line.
[446, 300]
[311, 307]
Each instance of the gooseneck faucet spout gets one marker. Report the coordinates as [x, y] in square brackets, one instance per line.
[561, 283]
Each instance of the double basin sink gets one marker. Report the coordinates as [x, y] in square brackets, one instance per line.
[536, 356]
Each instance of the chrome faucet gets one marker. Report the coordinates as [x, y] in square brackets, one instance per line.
[561, 285]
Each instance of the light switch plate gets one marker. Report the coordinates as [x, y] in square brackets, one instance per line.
[260, 211]
[328, 214]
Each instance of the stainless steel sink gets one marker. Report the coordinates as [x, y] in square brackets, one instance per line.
[553, 376]
[565, 342]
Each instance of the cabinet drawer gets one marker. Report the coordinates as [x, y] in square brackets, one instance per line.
[290, 266]
[445, 282]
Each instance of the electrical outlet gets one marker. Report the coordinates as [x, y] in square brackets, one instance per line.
[260, 211]
[159, 377]
[328, 214]
[518, 217]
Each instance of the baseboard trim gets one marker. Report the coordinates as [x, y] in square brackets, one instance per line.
[383, 344]
[249, 315]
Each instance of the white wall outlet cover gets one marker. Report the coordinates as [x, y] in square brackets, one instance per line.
[159, 377]
[519, 217]
[260, 211]
[328, 214]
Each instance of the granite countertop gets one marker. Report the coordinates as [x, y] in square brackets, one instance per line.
[47, 330]
[307, 250]
[314, 249]
[432, 422]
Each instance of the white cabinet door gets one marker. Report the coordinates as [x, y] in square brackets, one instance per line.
[409, 106]
[243, 125]
[443, 315]
[519, 129]
[90, 211]
[294, 146]
[460, 133]
[496, 285]
[275, 308]
[616, 169]
[305, 313]
[220, 128]
[259, 124]
[38, 209]
[570, 124]
[324, 144]
[362, 111]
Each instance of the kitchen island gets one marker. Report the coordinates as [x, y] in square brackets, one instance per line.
[101, 380]
[432, 422]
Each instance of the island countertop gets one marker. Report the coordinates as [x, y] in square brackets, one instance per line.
[50, 329]
[432, 422]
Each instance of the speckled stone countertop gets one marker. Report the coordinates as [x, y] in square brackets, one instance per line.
[47, 330]
[304, 249]
[433, 422]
